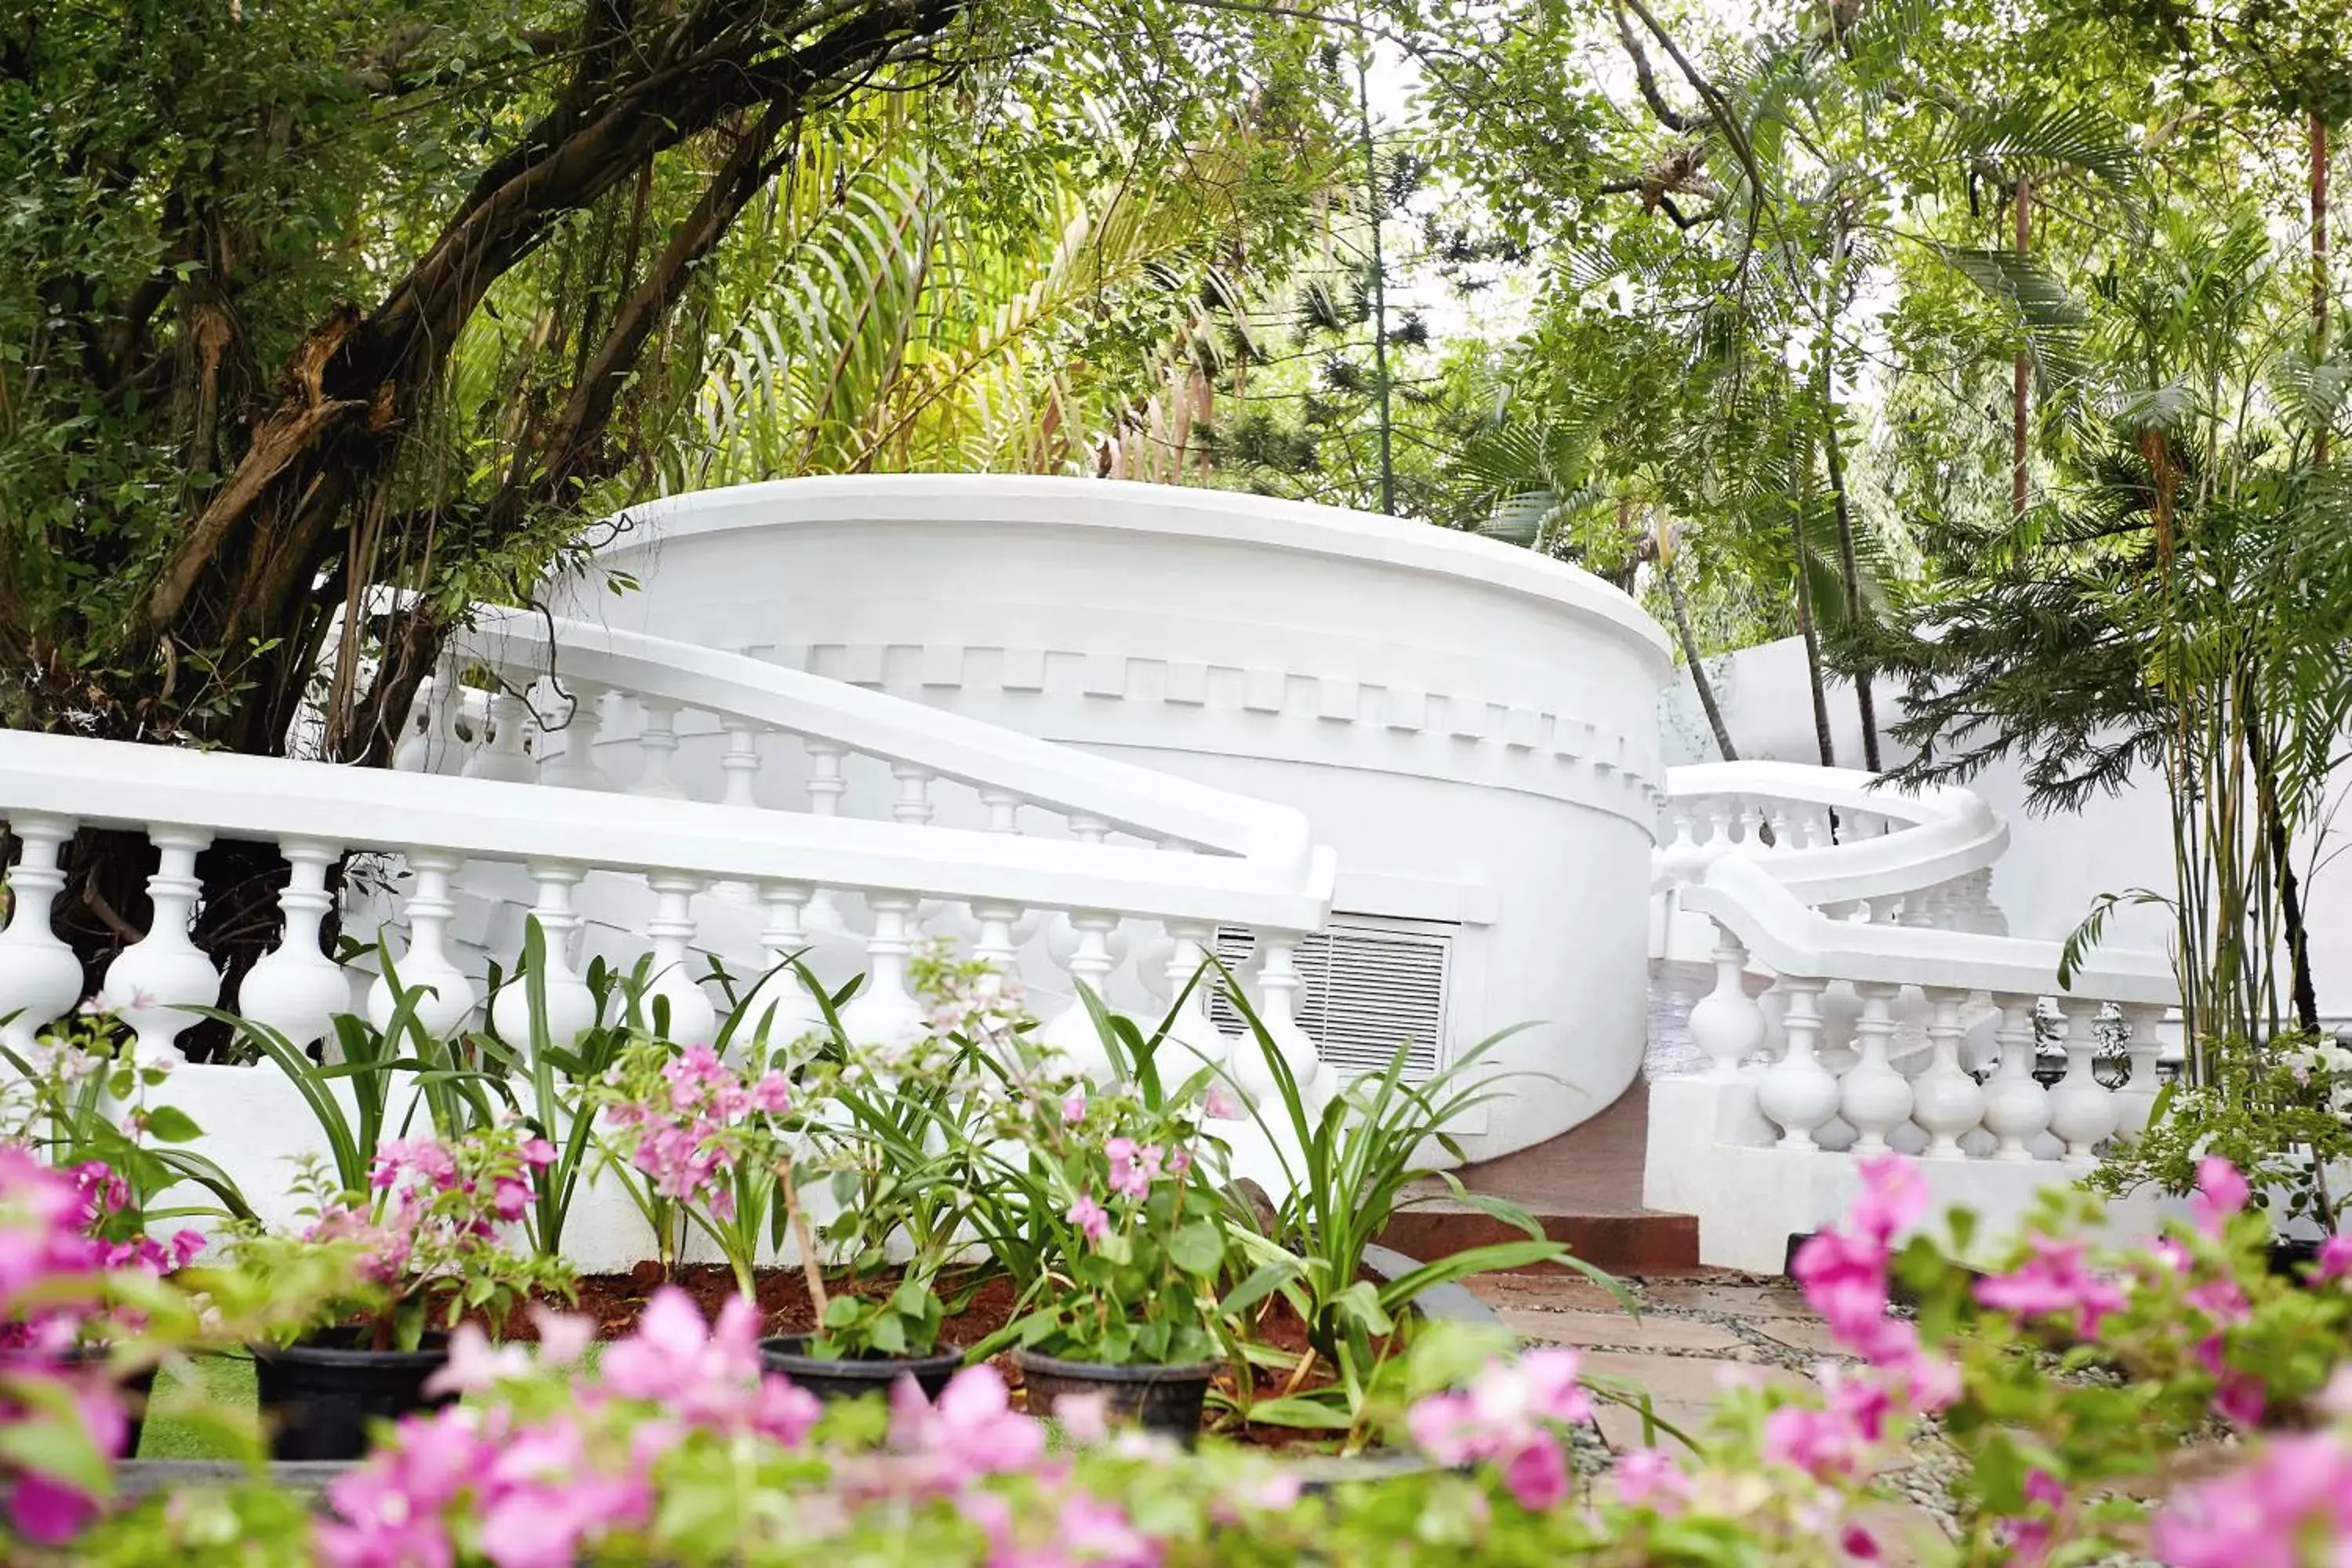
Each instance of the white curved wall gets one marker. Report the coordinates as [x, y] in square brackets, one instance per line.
[1471, 727]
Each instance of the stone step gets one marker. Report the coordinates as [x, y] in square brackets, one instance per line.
[1583, 1188]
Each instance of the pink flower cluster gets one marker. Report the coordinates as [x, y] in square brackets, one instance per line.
[1134, 1167]
[451, 1199]
[970, 1433]
[533, 1494]
[2054, 1282]
[104, 1195]
[2290, 1505]
[1506, 1418]
[680, 1136]
[44, 1249]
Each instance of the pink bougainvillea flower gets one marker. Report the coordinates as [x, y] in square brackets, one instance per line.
[2054, 1282]
[1092, 1220]
[1505, 1418]
[1218, 1103]
[2294, 1492]
[2334, 1260]
[475, 1364]
[1074, 1107]
[1649, 1478]
[1538, 1475]
[973, 1431]
[563, 1337]
[2221, 1192]
[1858, 1545]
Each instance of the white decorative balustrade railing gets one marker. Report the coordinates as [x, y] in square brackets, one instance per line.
[443, 830]
[1835, 838]
[1741, 1144]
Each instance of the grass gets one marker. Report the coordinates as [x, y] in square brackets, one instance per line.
[197, 1404]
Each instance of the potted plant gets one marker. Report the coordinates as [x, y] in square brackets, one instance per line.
[1121, 1305]
[422, 1248]
[2280, 1112]
[894, 1165]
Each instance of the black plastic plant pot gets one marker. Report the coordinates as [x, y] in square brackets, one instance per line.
[2290, 1258]
[831, 1378]
[1162, 1399]
[140, 1388]
[320, 1394]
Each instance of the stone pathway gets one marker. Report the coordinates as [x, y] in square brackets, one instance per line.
[1696, 1337]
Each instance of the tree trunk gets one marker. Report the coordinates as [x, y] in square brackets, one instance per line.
[2319, 263]
[1863, 698]
[1706, 688]
[1822, 736]
[2019, 372]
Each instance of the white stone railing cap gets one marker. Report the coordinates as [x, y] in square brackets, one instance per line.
[1785, 935]
[949, 745]
[1943, 831]
[119, 783]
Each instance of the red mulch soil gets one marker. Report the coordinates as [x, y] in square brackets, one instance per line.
[977, 1309]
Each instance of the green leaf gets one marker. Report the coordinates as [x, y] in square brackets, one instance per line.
[1299, 1411]
[890, 1335]
[1198, 1249]
[1268, 1279]
[170, 1124]
[1361, 1302]
[841, 1311]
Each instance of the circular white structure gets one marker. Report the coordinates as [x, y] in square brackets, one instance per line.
[1471, 727]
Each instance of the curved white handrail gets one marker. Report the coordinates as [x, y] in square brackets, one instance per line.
[1058, 778]
[1014, 499]
[123, 785]
[1789, 937]
[1944, 832]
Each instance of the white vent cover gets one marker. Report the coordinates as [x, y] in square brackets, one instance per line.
[1371, 985]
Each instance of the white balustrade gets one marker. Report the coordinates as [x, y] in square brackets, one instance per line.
[39, 976]
[692, 1019]
[578, 708]
[1279, 995]
[885, 1012]
[295, 988]
[570, 1006]
[1947, 1102]
[505, 755]
[1874, 1098]
[2144, 1048]
[444, 996]
[153, 983]
[2017, 1108]
[780, 1006]
[1797, 1092]
[1726, 1023]
[2082, 1109]
[1071, 1032]
[657, 744]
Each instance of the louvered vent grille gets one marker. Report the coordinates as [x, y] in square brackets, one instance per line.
[1370, 985]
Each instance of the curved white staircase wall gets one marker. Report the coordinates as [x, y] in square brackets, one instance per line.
[1471, 726]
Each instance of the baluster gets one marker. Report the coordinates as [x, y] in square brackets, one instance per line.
[885, 1012]
[1726, 1022]
[504, 757]
[2144, 1045]
[1280, 992]
[2082, 1109]
[827, 785]
[693, 1021]
[996, 943]
[1071, 1032]
[782, 1006]
[1751, 824]
[444, 996]
[570, 1006]
[2017, 1108]
[1193, 1027]
[414, 754]
[153, 983]
[1874, 1098]
[912, 805]
[577, 768]
[1681, 857]
[657, 741]
[1946, 1101]
[295, 988]
[40, 978]
[1784, 835]
[1797, 1092]
[1818, 834]
[741, 763]
[1719, 825]
[1004, 810]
